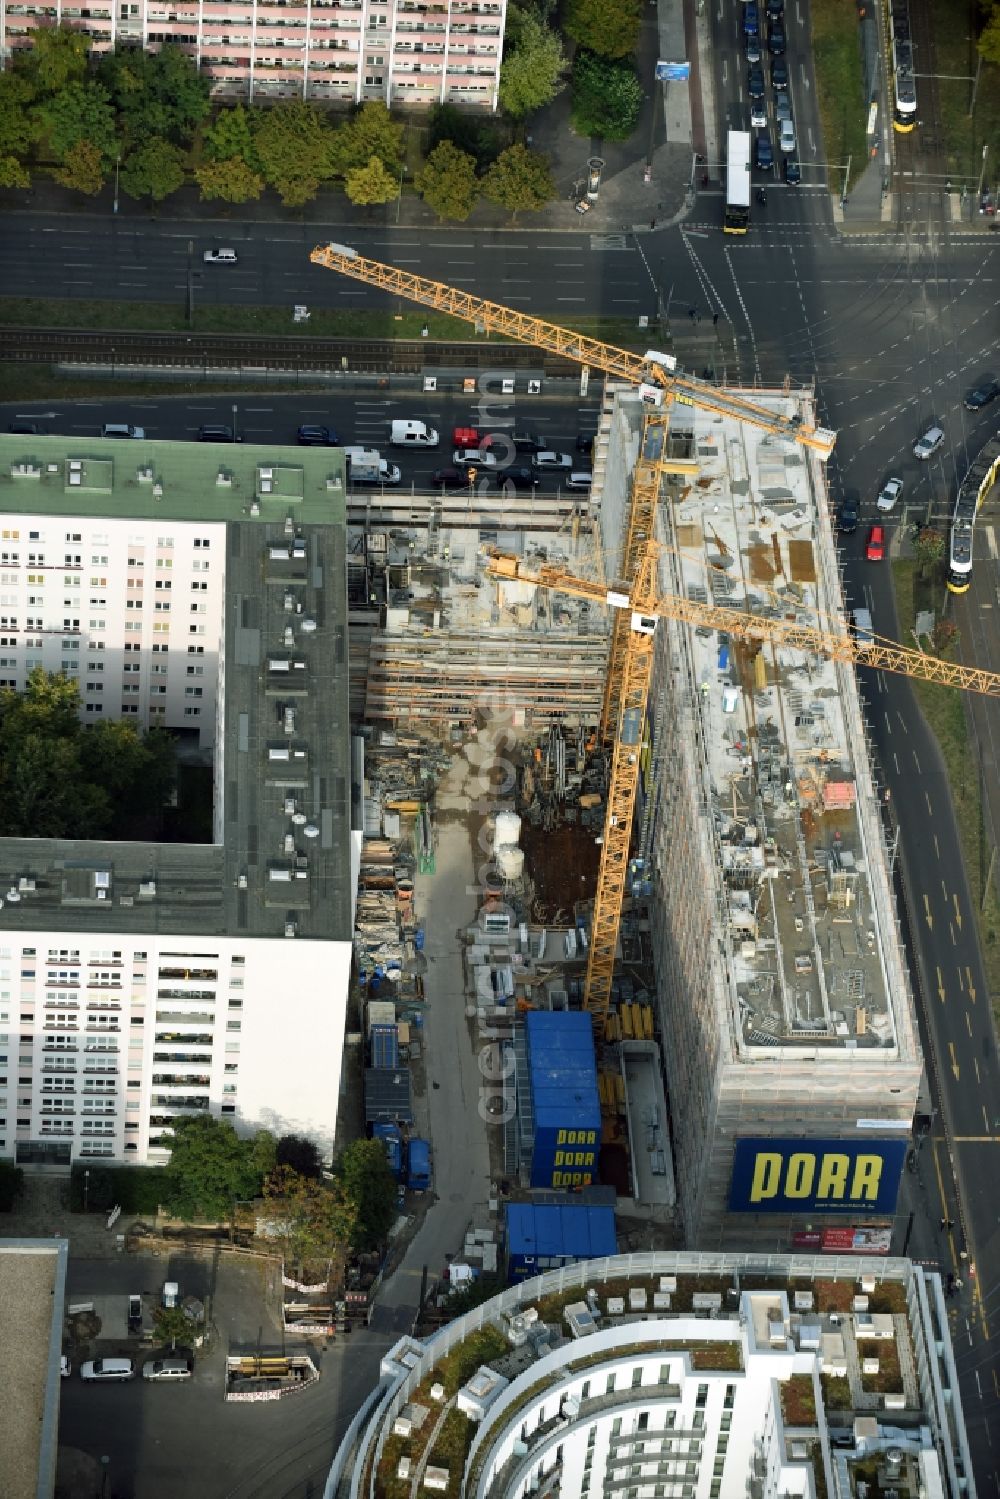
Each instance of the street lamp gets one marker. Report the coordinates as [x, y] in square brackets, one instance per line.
[399, 195]
[982, 174]
[235, 435]
[118, 162]
[86, 1189]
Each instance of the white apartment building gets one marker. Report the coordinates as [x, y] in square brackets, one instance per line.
[625, 1377]
[406, 52]
[140, 982]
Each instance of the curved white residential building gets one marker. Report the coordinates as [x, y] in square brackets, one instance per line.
[674, 1376]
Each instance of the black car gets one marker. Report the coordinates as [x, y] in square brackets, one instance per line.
[793, 172]
[774, 9]
[981, 396]
[25, 429]
[779, 72]
[763, 153]
[776, 39]
[450, 478]
[520, 442]
[317, 437]
[751, 18]
[585, 442]
[755, 81]
[217, 434]
[753, 49]
[516, 478]
[847, 517]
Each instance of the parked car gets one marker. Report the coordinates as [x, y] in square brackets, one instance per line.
[925, 447]
[166, 1368]
[875, 546]
[585, 442]
[108, 1369]
[122, 429]
[134, 1315]
[974, 401]
[889, 494]
[25, 429]
[550, 460]
[847, 517]
[65, 1367]
[317, 437]
[220, 257]
[753, 48]
[220, 433]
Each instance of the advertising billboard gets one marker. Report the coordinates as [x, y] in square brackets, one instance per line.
[816, 1176]
[845, 1240]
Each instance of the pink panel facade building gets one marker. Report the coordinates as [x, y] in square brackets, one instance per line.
[409, 53]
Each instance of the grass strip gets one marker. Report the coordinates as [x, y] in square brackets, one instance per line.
[944, 710]
[956, 24]
[325, 322]
[843, 110]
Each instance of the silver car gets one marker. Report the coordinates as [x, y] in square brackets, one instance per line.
[786, 139]
[166, 1368]
[928, 445]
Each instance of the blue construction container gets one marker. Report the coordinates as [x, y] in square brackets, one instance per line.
[384, 1041]
[393, 1142]
[565, 1104]
[418, 1165]
[542, 1237]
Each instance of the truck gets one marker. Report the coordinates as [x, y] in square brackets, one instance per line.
[367, 466]
[418, 1165]
[393, 1142]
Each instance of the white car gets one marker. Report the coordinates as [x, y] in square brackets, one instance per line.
[891, 491]
[220, 257]
[65, 1367]
[552, 460]
[166, 1368]
[122, 429]
[758, 115]
[473, 458]
[928, 445]
[107, 1369]
[786, 140]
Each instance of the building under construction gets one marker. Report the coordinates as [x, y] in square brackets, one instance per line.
[786, 1018]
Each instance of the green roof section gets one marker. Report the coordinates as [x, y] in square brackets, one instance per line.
[136, 478]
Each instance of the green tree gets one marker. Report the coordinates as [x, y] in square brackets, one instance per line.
[138, 771]
[447, 182]
[230, 135]
[520, 179]
[12, 172]
[363, 1171]
[81, 112]
[534, 64]
[607, 97]
[154, 170]
[928, 547]
[989, 37]
[608, 27]
[370, 184]
[17, 131]
[156, 93]
[466, 131]
[301, 1155]
[172, 1324]
[314, 1221]
[372, 132]
[83, 169]
[294, 144]
[58, 57]
[232, 180]
[211, 1167]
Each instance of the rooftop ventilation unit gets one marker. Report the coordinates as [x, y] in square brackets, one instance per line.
[144, 475]
[157, 491]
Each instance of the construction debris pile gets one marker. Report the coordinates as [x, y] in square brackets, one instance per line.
[565, 779]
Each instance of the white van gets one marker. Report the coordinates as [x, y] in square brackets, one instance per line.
[580, 479]
[107, 1369]
[864, 630]
[367, 466]
[413, 435]
[122, 429]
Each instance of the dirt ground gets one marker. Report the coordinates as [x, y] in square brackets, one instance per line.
[563, 865]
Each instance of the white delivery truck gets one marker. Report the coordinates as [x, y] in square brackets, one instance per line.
[413, 435]
[367, 466]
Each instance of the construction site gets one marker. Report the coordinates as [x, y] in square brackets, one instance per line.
[700, 860]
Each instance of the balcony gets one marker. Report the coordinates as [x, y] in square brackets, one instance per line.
[190, 1101]
[182, 1080]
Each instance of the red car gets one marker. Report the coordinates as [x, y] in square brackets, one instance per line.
[875, 550]
[465, 437]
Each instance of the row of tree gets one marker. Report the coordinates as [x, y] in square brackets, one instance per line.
[313, 1215]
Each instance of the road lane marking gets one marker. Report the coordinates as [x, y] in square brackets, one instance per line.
[941, 993]
[958, 914]
[937, 849]
[916, 761]
[972, 987]
[951, 929]
[927, 915]
[991, 542]
[927, 799]
[968, 1027]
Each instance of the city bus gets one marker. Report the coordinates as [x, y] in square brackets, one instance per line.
[737, 182]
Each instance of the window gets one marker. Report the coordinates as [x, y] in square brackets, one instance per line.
[196, 671]
[636, 1377]
[609, 1389]
[196, 650]
[193, 691]
[202, 542]
[199, 587]
[192, 712]
[163, 583]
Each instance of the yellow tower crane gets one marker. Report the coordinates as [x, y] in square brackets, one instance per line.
[638, 605]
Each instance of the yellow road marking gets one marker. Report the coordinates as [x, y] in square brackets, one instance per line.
[927, 913]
